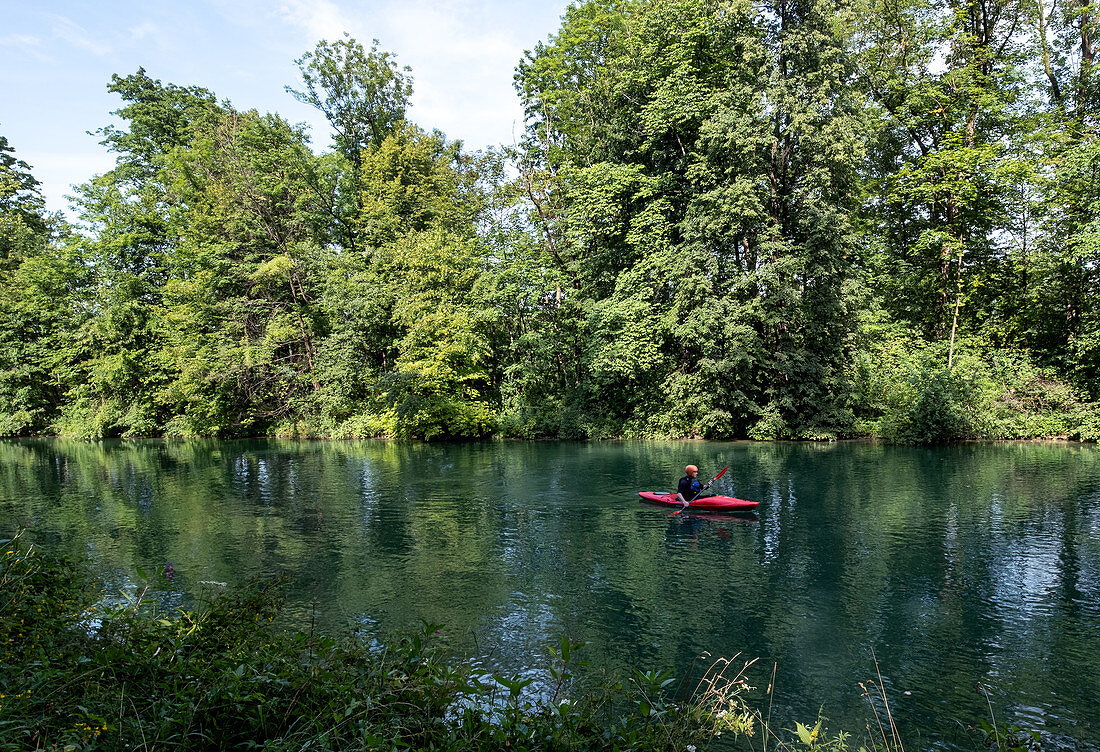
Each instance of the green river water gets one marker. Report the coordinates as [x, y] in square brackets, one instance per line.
[954, 566]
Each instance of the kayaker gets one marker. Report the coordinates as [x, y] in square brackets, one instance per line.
[689, 488]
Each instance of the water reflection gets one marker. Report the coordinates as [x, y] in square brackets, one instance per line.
[956, 566]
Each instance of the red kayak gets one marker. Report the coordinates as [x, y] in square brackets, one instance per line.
[711, 503]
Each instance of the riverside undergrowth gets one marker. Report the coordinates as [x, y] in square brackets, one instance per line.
[81, 671]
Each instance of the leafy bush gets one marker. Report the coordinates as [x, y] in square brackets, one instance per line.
[78, 674]
[770, 426]
[1086, 423]
[906, 393]
[943, 410]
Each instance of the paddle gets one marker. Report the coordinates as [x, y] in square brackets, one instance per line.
[716, 477]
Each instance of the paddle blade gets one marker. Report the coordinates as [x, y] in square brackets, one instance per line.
[724, 469]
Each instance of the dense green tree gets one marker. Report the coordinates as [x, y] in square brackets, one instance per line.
[1062, 318]
[441, 385]
[39, 276]
[22, 207]
[409, 347]
[363, 95]
[127, 236]
[158, 117]
[949, 82]
[241, 309]
[703, 224]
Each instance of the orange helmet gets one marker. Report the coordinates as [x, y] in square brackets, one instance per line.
[691, 469]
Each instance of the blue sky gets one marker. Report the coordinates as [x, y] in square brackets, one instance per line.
[56, 59]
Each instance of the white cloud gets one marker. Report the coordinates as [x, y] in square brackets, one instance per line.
[462, 69]
[319, 19]
[20, 40]
[27, 44]
[76, 35]
[143, 30]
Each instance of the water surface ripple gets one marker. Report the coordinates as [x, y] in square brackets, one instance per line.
[953, 567]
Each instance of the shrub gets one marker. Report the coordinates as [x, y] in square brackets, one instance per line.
[906, 393]
[942, 411]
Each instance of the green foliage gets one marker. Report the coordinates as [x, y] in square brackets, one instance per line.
[910, 395]
[21, 204]
[953, 155]
[1063, 321]
[362, 94]
[1009, 738]
[159, 117]
[214, 678]
[705, 237]
[787, 220]
[40, 276]
[440, 387]
[240, 314]
[942, 409]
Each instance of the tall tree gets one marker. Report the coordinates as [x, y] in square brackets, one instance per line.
[241, 311]
[22, 207]
[410, 348]
[125, 215]
[39, 281]
[948, 78]
[703, 219]
[158, 117]
[363, 95]
[1062, 316]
